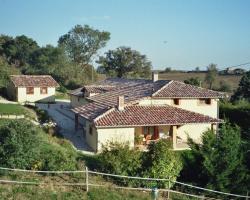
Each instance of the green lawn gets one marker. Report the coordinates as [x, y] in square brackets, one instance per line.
[12, 109]
[60, 95]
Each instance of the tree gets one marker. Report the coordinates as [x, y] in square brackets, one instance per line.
[221, 158]
[81, 43]
[193, 81]
[19, 144]
[243, 91]
[211, 74]
[125, 62]
[18, 50]
[161, 162]
[197, 69]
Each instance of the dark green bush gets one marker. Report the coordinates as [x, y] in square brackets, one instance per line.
[19, 144]
[56, 158]
[120, 159]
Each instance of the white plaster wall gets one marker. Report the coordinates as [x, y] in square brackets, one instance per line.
[91, 138]
[187, 104]
[77, 101]
[194, 131]
[49, 97]
[121, 135]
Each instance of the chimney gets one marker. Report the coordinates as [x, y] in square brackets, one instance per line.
[120, 103]
[154, 76]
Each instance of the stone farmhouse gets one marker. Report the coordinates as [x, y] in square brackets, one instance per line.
[138, 111]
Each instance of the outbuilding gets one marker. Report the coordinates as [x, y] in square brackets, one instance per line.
[32, 88]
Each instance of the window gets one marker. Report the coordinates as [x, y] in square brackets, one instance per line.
[176, 101]
[205, 101]
[29, 90]
[43, 90]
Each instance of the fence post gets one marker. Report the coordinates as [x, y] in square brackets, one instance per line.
[247, 196]
[87, 178]
[168, 189]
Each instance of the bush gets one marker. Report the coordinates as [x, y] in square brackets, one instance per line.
[19, 144]
[161, 162]
[56, 158]
[25, 146]
[120, 159]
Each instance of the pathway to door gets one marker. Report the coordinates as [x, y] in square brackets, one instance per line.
[61, 114]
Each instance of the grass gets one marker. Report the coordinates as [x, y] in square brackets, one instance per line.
[12, 109]
[232, 80]
[61, 95]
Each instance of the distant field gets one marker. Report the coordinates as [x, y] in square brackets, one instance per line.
[232, 80]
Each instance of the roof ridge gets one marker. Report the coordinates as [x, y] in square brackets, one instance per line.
[164, 86]
[104, 114]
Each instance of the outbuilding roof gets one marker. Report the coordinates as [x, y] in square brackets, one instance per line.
[33, 81]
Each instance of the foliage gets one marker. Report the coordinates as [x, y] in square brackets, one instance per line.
[221, 158]
[19, 144]
[107, 194]
[81, 43]
[17, 50]
[23, 145]
[243, 91]
[211, 74]
[167, 69]
[118, 158]
[54, 157]
[225, 87]
[193, 81]
[161, 162]
[124, 62]
[237, 113]
[5, 71]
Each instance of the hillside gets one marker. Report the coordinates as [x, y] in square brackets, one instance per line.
[232, 80]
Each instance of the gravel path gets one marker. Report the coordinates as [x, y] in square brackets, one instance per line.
[65, 120]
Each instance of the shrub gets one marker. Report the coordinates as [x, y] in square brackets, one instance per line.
[19, 144]
[118, 158]
[161, 162]
[221, 158]
[57, 158]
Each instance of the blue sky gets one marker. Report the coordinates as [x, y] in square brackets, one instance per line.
[181, 34]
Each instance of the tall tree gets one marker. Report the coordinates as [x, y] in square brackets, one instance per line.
[211, 74]
[18, 50]
[125, 62]
[81, 43]
[243, 91]
[221, 158]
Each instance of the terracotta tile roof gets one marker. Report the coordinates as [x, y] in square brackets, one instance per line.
[76, 92]
[33, 81]
[132, 92]
[177, 89]
[151, 115]
[97, 89]
[91, 110]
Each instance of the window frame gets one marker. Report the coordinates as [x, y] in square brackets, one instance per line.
[176, 101]
[42, 88]
[29, 90]
[205, 101]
